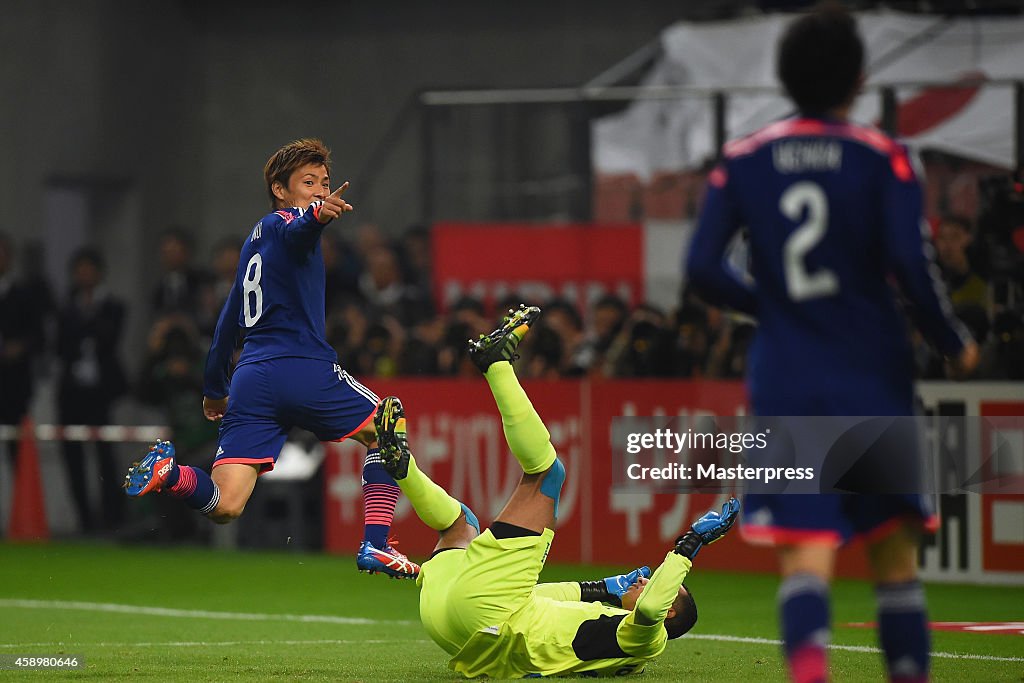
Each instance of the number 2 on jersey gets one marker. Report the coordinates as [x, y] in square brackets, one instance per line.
[251, 292]
[800, 284]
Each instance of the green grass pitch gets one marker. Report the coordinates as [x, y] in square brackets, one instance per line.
[181, 614]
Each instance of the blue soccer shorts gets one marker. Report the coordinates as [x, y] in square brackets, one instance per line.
[831, 519]
[270, 397]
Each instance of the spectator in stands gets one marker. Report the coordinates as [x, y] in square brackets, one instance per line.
[20, 337]
[171, 379]
[218, 285]
[341, 271]
[691, 347]
[1002, 356]
[643, 348]
[562, 318]
[465, 321]
[38, 291]
[180, 287]
[727, 357]
[953, 239]
[89, 330]
[420, 355]
[607, 317]
[416, 257]
[385, 292]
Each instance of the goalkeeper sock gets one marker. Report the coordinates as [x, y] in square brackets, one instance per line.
[432, 503]
[804, 615]
[903, 631]
[380, 495]
[525, 433]
[195, 486]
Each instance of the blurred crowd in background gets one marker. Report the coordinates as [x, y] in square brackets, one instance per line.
[382, 320]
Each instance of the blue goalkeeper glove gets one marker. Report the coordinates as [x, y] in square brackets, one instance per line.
[611, 590]
[617, 585]
[709, 528]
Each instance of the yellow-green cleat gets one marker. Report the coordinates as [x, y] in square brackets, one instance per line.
[392, 439]
[502, 343]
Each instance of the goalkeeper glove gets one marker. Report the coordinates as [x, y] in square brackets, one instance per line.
[611, 589]
[709, 528]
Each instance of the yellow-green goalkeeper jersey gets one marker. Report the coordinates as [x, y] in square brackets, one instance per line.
[555, 634]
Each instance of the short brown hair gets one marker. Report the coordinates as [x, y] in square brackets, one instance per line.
[286, 160]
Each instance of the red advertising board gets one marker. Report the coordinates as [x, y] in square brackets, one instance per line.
[578, 262]
[456, 435]
[1002, 515]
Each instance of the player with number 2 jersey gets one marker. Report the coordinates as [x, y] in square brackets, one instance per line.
[833, 212]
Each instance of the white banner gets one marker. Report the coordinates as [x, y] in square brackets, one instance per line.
[974, 122]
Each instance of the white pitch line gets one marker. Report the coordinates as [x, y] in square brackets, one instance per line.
[189, 613]
[198, 643]
[845, 648]
[328, 619]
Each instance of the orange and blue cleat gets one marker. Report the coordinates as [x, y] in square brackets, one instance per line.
[386, 560]
[150, 474]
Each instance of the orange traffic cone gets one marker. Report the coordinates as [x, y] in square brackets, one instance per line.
[28, 513]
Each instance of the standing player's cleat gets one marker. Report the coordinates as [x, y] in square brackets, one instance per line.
[392, 439]
[151, 472]
[385, 560]
[501, 344]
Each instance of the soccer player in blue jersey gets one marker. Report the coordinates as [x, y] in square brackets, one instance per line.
[479, 596]
[287, 374]
[834, 213]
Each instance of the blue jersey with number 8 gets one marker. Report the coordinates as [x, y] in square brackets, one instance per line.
[277, 301]
[834, 217]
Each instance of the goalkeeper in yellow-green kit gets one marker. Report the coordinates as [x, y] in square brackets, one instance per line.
[479, 596]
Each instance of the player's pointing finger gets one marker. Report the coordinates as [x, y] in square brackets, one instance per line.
[341, 190]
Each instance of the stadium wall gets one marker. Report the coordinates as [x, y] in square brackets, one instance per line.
[456, 435]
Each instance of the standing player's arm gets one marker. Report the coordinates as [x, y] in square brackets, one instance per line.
[911, 260]
[218, 360]
[303, 233]
[706, 268]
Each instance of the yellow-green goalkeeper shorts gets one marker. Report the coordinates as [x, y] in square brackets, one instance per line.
[464, 591]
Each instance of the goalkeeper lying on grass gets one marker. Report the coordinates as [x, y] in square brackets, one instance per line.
[479, 597]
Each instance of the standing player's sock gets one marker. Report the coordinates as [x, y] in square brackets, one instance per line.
[903, 630]
[380, 495]
[526, 434]
[432, 504]
[193, 485]
[803, 607]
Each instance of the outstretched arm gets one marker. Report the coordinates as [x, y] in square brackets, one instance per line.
[608, 590]
[642, 633]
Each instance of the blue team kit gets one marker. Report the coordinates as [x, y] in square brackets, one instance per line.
[287, 375]
[832, 212]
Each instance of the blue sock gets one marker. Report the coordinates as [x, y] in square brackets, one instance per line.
[804, 615]
[903, 630]
[380, 495]
[470, 517]
[195, 486]
[551, 485]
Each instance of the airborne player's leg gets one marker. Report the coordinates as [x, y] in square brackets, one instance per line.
[534, 504]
